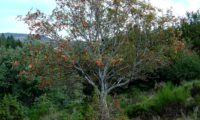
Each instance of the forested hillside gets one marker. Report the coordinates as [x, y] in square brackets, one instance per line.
[118, 60]
[24, 37]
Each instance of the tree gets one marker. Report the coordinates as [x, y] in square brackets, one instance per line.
[9, 42]
[98, 31]
[2, 37]
[190, 26]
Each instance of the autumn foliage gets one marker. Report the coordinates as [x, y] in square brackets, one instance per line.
[108, 43]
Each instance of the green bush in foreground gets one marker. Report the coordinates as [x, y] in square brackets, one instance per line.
[168, 101]
[11, 109]
[171, 100]
[41, 108]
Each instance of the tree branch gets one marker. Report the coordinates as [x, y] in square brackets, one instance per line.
[86, 77]
[118, 84]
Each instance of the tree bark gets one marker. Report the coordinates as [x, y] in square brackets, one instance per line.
[104, 110]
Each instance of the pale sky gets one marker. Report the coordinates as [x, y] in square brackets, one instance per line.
[10, 9]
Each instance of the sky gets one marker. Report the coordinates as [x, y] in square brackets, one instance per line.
[10, 9]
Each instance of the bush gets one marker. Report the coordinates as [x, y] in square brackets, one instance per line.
[41, 108]
[139, 103]
[183, 67]
[142, 109]
[168, 101]
[194, 88]
[171, 99]
[74, 111]
[11, 109]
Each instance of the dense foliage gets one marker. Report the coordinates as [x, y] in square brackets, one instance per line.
[190, 27]
[148, 69]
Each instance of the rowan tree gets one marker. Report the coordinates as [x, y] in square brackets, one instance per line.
[108, 41]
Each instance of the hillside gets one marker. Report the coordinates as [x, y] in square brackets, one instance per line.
[23, 36]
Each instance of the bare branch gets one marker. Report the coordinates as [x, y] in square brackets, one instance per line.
[119, 83]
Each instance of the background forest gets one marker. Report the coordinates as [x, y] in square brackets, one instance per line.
[148, 69]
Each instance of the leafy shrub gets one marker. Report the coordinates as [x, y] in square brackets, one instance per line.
[194, 88]
[44, 109]
[139, 103]
[41, 108]
[171, 98]
[168, 101]
[11, 109]
[183, 67]
[140, 109]
[74, 111]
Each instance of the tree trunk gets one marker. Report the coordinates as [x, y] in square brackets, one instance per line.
[104, 110]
